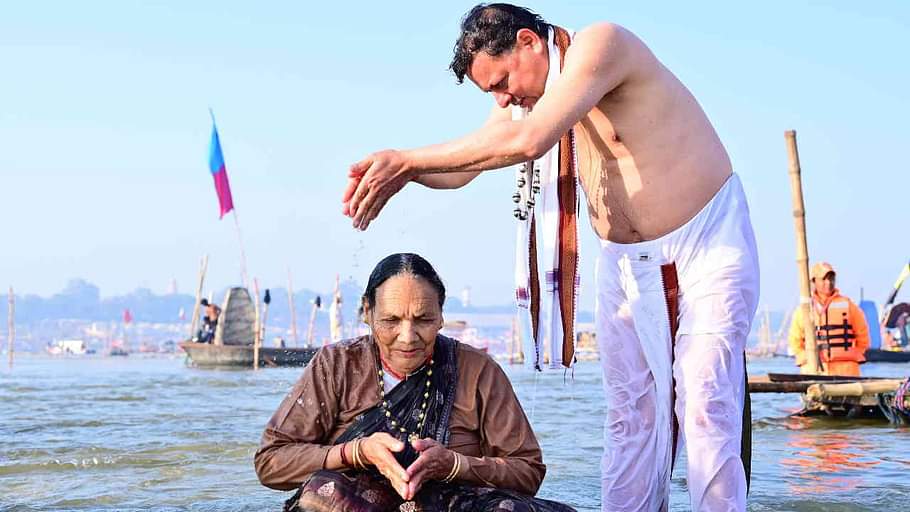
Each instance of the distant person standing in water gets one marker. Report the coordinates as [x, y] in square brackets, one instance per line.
[841, 332]
[677, 273]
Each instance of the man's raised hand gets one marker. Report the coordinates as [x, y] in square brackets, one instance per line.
[372, 182]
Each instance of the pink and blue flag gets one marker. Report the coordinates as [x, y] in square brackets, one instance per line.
[219, 172]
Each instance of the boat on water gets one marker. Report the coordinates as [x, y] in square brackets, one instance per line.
[890, 343]
[69, 347]
[210, 355]
[233, 344]
[845, 397]
[874, 355]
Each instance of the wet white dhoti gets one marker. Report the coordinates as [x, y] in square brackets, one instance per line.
[716, 264]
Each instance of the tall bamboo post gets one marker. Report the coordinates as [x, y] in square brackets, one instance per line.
[514, 338]
[203, 265]
[11, 326]
[802, 255]
[336, 324]
[781, 337]
[256, 324]
[764, 334]
[292, 308]
[317, 303]
[267, 299]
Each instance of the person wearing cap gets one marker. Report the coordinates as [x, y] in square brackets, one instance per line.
[841, 333]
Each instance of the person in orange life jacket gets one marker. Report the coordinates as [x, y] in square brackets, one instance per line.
[841, 333]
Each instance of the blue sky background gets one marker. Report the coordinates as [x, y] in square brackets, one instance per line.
[104, 132]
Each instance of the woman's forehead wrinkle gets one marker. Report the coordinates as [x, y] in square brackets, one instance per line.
[405, 298]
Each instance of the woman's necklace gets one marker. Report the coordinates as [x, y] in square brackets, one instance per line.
[421, 418]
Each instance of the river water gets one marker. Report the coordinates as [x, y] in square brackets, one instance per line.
[152, 434]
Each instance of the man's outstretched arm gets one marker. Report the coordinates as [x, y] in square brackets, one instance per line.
[597, 62]
[452, 180]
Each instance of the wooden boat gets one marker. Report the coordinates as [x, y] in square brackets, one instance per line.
[234, 335]
[209, 356]
[887, 356]
[839, 396]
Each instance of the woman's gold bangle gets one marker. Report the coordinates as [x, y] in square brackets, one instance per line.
[358, 455]
[355, 455]
[456, 467]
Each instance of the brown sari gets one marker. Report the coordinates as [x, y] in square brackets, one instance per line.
[368, 491]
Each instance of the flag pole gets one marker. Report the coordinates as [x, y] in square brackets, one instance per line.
[243, 275]
[195, 320]
[242, 251]
[256, 325]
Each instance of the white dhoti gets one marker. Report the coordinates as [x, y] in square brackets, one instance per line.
[716, 265]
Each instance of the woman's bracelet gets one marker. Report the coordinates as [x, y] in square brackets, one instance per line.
[355, 453]
[456, 467]
[344, 459]
[358, 456]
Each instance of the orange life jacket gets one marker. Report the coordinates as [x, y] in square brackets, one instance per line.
[834, 330]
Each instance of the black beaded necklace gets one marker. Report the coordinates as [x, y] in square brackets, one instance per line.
[395, 422]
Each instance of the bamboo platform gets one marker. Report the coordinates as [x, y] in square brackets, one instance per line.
[837, 396]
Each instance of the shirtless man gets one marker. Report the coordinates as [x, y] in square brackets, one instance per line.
[660, 191]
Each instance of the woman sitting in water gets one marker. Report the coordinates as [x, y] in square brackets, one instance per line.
[404, 418]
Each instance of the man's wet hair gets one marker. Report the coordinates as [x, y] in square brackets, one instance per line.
[491, 28]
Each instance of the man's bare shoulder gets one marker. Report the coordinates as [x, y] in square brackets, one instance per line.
[606, 35]
[609, 47]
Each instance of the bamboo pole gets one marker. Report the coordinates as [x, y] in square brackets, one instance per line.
[265, 316]
[515, 354]
[764, 334]
[802, 255]
[874, 387]
[292, 308]
[336, 323]
[11, 326]
[203, 266]
[317, 303]
[766, 386]
[242, 251]
[256, 332]
[780, 337]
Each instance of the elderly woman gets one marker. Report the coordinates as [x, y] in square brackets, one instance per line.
[404, 418]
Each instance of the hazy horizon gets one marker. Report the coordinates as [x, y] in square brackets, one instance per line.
[105, 133]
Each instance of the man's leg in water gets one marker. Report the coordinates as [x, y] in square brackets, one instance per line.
[709, 402]
[628, 469]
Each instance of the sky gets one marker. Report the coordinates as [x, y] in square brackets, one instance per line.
[104, 132]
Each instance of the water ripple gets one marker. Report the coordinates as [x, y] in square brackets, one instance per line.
[99, 434]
